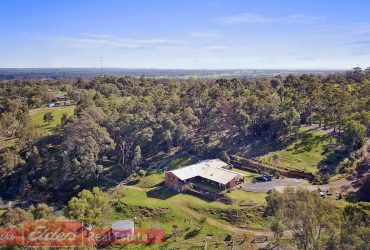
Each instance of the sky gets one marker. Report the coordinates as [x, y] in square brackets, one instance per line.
[185, 34]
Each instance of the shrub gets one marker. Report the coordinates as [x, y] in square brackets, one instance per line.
[42, 181]
[321, 179]
[192, 234]
[42, 211]
[142, 172]
[344, 165]
[120, 205]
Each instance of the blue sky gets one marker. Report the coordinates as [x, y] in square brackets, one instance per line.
[191, 34]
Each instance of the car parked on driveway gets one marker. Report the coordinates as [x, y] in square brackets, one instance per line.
[263, 178]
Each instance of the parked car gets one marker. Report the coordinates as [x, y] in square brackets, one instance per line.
[268, 176]
[263, 178]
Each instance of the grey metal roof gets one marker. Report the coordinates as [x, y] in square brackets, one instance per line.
[208, 169]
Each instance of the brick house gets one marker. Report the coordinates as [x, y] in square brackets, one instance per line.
[210, 172]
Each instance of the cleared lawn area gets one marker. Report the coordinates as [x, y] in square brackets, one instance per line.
[305, 153]
[151, 180]
[37, 117]
[165, 198]
[181, 161]
[243, 197]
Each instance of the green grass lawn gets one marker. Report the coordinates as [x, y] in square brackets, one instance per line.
[151, 180]
[242, 197]
[181, 161]
[165, 198]
[305, 153]
[37, 117]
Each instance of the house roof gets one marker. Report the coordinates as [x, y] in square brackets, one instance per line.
[208, 169]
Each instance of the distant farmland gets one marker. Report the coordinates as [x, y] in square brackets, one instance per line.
[72, 73]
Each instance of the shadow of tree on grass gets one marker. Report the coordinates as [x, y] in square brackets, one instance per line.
[161, 192]
[308, 141]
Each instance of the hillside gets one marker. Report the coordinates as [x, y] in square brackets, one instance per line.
[307, 152]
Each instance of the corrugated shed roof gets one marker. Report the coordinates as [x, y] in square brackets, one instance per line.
[208, 169]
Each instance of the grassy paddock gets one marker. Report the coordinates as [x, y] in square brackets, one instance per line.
[305, 153]
[151, 180]
[37, 117]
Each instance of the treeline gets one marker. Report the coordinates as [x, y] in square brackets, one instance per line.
[128, 120]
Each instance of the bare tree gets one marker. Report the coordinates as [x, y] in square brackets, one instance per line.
[125, 148]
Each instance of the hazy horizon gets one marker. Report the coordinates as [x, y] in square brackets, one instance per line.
[70, 73]
[138, 68]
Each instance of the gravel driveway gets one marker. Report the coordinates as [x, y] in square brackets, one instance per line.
[285, 182]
